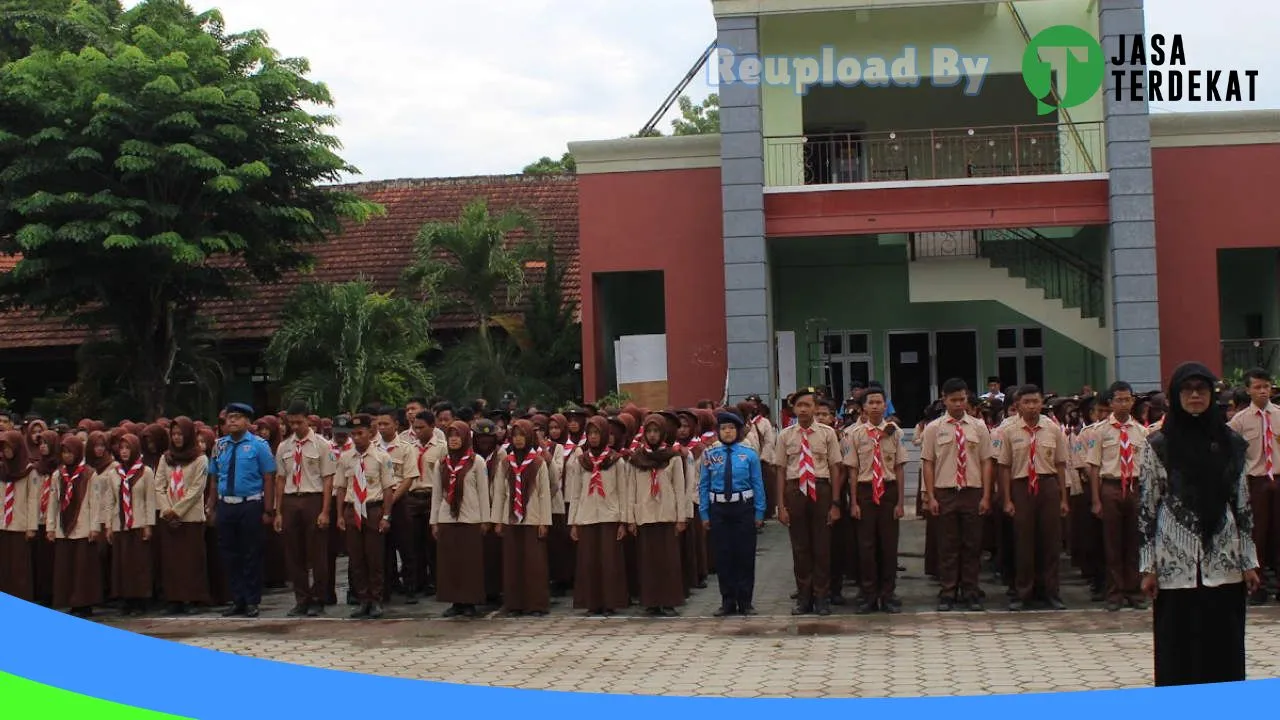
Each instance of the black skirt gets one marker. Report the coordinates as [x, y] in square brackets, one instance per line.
[1199, 635]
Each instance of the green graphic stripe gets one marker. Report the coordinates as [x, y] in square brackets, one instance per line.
[27, 699]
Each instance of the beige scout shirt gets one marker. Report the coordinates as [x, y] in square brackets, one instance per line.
[188, 501]
[938, 446]
[1249, 423]
[142, 495]
[475, 509]
[564, 453]
[537, 508]
[893, 452]
[760, 435]
[428, 462]
[616, 506]
[378, 474]
[26, 503]
[824, 445]
[317, 464]
[670, 505]
[1103, 447]
[403, 459]
[1051, 447]
[90, 517]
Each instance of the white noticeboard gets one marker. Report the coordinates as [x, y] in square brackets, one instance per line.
[640, 358]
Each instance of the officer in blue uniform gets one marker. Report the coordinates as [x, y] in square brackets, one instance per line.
[244, 471]
[731, 492]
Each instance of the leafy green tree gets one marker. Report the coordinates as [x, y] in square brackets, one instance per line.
[566, 165]
[698, 119]
[547, 333]
[155, 163]
[342, 346]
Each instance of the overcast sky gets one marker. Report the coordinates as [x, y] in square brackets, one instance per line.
[438, 88]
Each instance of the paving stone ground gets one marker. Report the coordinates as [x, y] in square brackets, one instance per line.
[771, 655]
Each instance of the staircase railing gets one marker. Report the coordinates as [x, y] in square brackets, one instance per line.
[1061, 274]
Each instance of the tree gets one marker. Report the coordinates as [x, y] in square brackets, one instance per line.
[342, 346]
[700, 119]
[547, 166]
[159, 163]
[547, 333]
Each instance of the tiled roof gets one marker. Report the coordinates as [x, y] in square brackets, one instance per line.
[378, 250]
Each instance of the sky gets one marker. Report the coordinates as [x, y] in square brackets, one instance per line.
[443, 88]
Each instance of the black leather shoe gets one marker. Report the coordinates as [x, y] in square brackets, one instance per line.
[802, 608]
[361, 611]
[251, 611]
[865, 608]
[747, 610]
[1057, 604]
[837, 599]
[823, 608]
[376, 611]
[234, 611]
[1016, 606]
[298, 611]
[945, 606]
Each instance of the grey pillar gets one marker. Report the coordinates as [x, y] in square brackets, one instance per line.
[1132, 244]
[746, 264]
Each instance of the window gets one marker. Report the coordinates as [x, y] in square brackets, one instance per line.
[1020, 356]
[846, 359]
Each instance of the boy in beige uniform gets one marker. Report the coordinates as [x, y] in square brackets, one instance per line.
[303, 494]
[1093, 563]
[365, 481]
[955, 454]
[1114, 456]
[876, 460]
[807, 456]
[1259, 424]
[428, 448]
[1033, 463]
[404, 471]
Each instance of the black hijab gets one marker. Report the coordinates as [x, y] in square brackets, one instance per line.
[1202, 457]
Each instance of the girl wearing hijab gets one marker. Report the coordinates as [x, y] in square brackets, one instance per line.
[521, 518]
[74, 526]
[624, 438]
[658, 516]
[460, 513]
[560, 549]
[180, 480]
[46, 463]
[19, 502]
[34, 429]
[598, 519]
[1197, 556]
[129, 515]
[487, 444]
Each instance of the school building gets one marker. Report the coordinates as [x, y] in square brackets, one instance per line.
[911, 234]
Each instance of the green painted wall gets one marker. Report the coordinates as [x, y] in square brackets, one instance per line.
[862, 284]
[1247, 286]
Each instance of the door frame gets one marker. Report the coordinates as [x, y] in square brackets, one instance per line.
[933, 353]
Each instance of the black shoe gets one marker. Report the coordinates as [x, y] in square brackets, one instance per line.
[315, 611]
[724, 611]
[361, 611]
[1057, 604]
[700, 585]
[1138, 603]
[1112, 607]
[452, 611]
[537, 613]
[747, 610]
[975, 605]
[176, 609]
[893, 606]
[802, 608]
[945, 605]
[669, 612]
[251, 611]
[902, 568]
[865, 608]
[823, 608]
[469, 611]
[376, 611]
[795, 595]
[1016, 606]
[411, 599]
[298, 611]
[351, 598]
[234, 611]
[838, 599]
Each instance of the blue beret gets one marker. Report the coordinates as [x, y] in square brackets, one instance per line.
[725, 418]
[240, 409]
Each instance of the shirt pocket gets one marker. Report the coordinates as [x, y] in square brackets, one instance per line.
[311, 461]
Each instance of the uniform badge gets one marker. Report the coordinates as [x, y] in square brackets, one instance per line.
[1092, 443]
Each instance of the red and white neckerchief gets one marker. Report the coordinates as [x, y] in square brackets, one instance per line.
[636, 442]
[10, 497]
[1126, 458]
[453, 470]
[962, 454]
[126, 492]
[1269, 441]
[422, 451]
[567, 448]
[596, 486]
[177, 488]
[1033, 478]
[46, 492]
[69, 484]
[694, 444]
[339, 449]
[655, 487]
[808, 477]
[877, 464]
[361, 490]
[708, 438]
[517, 492]
[298, 445]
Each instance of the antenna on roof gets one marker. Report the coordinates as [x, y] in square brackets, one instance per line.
[675, 94]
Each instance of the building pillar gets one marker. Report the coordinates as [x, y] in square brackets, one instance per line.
[1131, 247]
[746, 263]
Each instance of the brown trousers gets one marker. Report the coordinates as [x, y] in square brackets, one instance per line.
[1261, 495]
[810, 540]
[399, 544]
[959, 533]
[337, 546]
[878, 541]
[420, 562]
[844, 547]
[1120, 540]
[306, 547]
[366, 552]
[1093, 564]
[1037, 526]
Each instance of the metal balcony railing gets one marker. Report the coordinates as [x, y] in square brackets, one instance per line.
[1250, 353]
[944, 154]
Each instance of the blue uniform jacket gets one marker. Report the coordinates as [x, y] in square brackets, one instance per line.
[253, 462]
[746, 476]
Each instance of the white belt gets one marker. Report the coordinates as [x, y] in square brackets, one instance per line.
[233, 500]
[733, 497]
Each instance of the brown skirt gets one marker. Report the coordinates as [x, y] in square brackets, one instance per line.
[42, 567]
[631, 560]
[600, 582]
[689, 556]
[460, 564]
[77, 574]
[184, 562]
[701, 548]
[131, 569]
[16, 577]
[216, 580]
[658, 559]
[492, 566]
[560, 551]
[525, 576]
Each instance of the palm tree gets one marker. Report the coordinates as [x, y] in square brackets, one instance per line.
[341, 346]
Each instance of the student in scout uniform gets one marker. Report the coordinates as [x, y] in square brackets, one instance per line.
[217, 578]
[761, 436]
[20, 486]
[522, 518]
[304, 495]
[732, 507]
[598, 520]
[842, 538]
[1259, 424]
[46, 459]
[364, 481]
[99, 457]
[808, 457]
[488, 449]
[955, 455]
[244, 471]
[275, 573]
[399, 541]
[420, 571]
[560, 549]
[337, 541]
[1114, 457]
[623, 432]
[876, 460]
[658, 518]
[1032, 462]
[460, 514]
[1093, 564]
[180, 480]
[695, 442]
[74, 526]
[129, 516]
